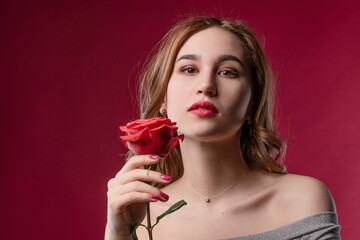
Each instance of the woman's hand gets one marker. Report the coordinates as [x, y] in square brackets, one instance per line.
[128, 194]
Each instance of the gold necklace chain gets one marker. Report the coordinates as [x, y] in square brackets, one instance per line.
[208, 199]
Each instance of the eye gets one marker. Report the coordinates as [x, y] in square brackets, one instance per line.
[229, 73]
[189, 70]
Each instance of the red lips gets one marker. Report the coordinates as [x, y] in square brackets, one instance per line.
[203, 109]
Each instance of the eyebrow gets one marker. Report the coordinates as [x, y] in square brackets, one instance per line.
[222, 58]
[187, 56]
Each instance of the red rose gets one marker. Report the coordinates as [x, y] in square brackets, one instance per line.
[150, 136]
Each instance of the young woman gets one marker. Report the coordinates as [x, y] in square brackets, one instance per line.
[212, 78]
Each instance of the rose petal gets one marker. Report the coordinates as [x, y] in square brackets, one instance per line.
[127, 130]
[172, 143]
[162, 134]
[151, 123]
[143, 134]
[181, 137]
[140, 143]
[146, 136]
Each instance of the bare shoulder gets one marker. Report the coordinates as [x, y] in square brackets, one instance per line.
[303, 196]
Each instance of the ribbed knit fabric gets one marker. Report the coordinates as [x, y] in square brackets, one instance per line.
[321, 226]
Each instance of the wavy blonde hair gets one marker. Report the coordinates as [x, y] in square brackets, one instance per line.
[261, 145]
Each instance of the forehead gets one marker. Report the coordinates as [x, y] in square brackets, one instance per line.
[212, 42]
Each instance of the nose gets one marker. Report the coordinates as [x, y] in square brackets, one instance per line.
[207, 87]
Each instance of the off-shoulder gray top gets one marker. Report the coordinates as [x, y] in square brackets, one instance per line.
[321, 226]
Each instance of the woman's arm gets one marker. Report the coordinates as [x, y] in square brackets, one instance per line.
[109, 235]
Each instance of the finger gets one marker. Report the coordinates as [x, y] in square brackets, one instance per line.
[139, 161]
[138, 187]
[118, 203]
[145, 176]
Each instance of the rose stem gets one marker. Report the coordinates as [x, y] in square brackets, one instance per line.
[149, 221]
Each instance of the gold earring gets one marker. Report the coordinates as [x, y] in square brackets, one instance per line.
[163, 112]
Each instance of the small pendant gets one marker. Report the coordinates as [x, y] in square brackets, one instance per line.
[207, 199]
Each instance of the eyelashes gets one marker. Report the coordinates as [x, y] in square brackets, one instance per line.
[227, 72]
[188, 69]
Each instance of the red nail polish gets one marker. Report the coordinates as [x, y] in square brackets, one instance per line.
[165, 177]
[154, 157]
[164, 195]
[154, 196]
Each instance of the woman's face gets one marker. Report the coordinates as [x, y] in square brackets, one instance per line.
[210, 87]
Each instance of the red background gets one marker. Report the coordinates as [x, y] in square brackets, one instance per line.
[67, 80]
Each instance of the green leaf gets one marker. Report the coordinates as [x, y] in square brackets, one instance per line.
[172, 209]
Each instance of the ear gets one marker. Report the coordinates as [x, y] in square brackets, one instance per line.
[162, 110]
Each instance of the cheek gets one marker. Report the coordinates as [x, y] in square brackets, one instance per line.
[241, 103]
[175, 96]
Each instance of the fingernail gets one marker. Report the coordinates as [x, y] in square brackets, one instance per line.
[165, 177]
[164, 195]
[154, 196]
[154, 157]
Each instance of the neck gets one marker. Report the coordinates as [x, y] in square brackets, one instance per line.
[212, 166]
